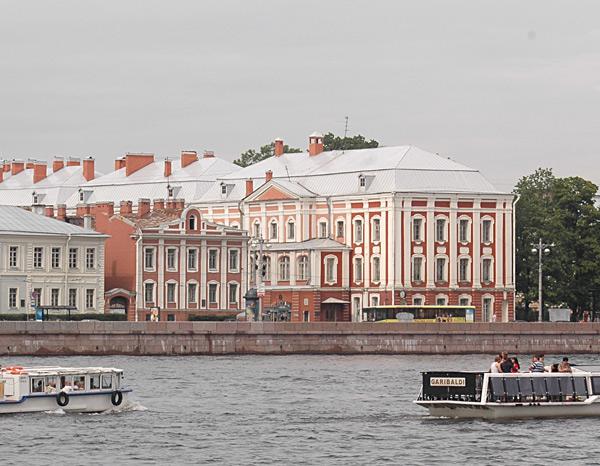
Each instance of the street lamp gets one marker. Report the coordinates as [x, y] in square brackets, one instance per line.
[540, 248]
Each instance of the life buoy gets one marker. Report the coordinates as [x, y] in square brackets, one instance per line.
[62, 399]
[116, 398]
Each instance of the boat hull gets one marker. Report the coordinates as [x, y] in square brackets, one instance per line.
[464, 410]
[78, 403]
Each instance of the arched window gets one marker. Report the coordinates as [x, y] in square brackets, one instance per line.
[274, 230]
[284, 268]
[291, 230]
[303, 268]
[257, 229]
[192, 222]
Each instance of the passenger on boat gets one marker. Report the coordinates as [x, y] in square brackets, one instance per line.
[515, 366]
[495, 367]
[554, 368]
[565, 366]
[506, 364]
[537, 364]
[51, 387]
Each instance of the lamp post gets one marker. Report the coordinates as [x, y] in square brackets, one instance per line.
[259, 243]
[540, 248]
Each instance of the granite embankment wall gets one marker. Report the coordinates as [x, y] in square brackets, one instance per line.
[181, 338]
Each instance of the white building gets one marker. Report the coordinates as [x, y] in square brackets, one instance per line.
[46, 261]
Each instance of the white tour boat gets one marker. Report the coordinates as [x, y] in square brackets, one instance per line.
[519, 395]
[80, 390]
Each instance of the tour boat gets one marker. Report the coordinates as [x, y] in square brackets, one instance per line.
[79, 390]
[519, 395]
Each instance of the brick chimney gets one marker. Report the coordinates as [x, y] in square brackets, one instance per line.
[168, 170]
[134, 162]
[126, 208]
[61, 212]
[315, 144]
[49, 211]
[103, 208]
[209, 154]
[17, 166]
[6, 166]
[170, 203]
[143, 207]
[180, 204]
[88, 168]
[119, 163]
[278, 147]
[57, 164]
[39, 171]
[73, 162]
[188, 157]
[82, 209]
[268, 176]
[249, 186]
[159, 204]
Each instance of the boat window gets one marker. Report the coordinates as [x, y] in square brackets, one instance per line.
[37, 385]
[580, 386]
[512, 388]
[497, 388]
[553, 388]
[539, 387]
[106, 381]
[51, 383]
[66, 381]
[566, 386]
[94, 381]
[79, 382]
[596, 385]
[525, 386]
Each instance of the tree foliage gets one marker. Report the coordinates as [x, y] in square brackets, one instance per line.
[268, 150]
[562, 212]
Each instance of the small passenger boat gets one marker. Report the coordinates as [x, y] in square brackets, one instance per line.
[80, 390]
[519, 395]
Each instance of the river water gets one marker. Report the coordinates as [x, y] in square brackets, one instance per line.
[338, 410]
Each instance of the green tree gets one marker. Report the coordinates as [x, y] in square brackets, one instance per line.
[333, 142]
[268, 150]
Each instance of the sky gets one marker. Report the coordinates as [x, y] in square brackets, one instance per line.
[504, 87]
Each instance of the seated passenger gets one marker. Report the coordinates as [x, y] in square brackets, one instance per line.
[51, 388]
[536, 365]
[554, 368]
[565, 366]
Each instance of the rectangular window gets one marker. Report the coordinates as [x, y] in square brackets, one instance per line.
[89, 299]
[323, 230]
[37, 297]
[13, 257]
[440, 301]
[376, 229]
[417, 275]
[171, 289]
[73, 258]
[90, 258]
[463, 230]
[234, 260]
[440, 230]
[192, 259]
[55, 258]
[274, 230]
[212, 293]
[172, 259]
[487, 309]
[486, 231]
[486, 270]
[192, 289]
[12, 298]
[291, 234]
[213, 260]
[463, 301]
[149, 258]
[374, 301]
[417, 301]
[38, 257]
[358, 231]
[340, 229]
[148, 293]
[257, 230]
[330, 272]
[54, 294]
[358, 269]
[440, 269]
[417, 229]
[73, 297]
[463, 270]
[303, 268]
[233, 293]
[376, 269]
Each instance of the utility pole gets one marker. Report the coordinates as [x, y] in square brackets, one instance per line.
[540, 248]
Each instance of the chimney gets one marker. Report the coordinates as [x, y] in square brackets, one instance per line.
[88, 169]
[61, 212]
[49, 211]
[278, 147]
[39, 171]
[187, 157]
[315, 144]
[170, 203]
[134, 162]
[159, 204]
[249, 186]
[6, 166]
[126, 208]
[180, 204]
[57, 164]
[73, 162]
[81, 210]
[209, 154]
[119, 163]
[268, 176]
[105, 208]
[87, 222]
[30, 164]
[143, 207]
[17, 166]
[167, 168]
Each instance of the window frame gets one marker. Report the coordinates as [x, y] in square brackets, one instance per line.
[283, 268]
[358, 265]
[421, 273]
[90, 304]
[175, 256]
[331, 278]
[417, 220]
[212, 250]
[358, 227]
[13, 262]
[196, 255]
[233, 252]
[93, 261]
[152, 256]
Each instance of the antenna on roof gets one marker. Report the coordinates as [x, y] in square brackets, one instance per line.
[346, 128]
[288, 173]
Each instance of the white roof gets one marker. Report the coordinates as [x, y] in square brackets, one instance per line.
[15, 220]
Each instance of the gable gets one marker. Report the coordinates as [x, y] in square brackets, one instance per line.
[272, 194]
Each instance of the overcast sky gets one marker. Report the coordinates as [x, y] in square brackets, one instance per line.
[504, 87]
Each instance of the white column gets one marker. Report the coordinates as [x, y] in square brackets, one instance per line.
[452, 240]
[224, 268]
[430, 266]
[499, 242]
[476, 243]
[160, 269]
[203, 262]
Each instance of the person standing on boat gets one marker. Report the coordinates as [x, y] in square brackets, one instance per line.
[537, 365]
[506, 364]
[515, 365]
[495, 367]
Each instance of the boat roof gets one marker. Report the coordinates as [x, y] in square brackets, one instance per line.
[52, 370]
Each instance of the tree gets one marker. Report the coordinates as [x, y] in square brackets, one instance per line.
[268, 150]
[333, 142]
